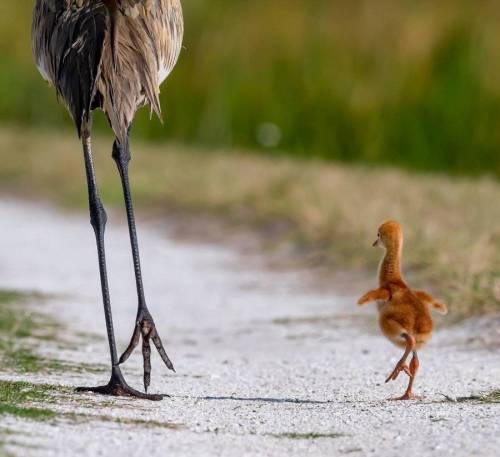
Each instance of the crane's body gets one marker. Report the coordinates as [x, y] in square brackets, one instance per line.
[110, 55]
[100, 57]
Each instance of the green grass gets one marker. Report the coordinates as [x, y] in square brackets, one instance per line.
[129, 421]
[33, 401]
[20, 392]
[25, 412]
[22, 330]
[17, 398]
[20, 334]
[18, 330]
[16, 325]
[492, 397]
[391, 82]
[489, 398]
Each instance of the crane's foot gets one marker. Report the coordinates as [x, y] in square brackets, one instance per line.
[401, 366]
[146, 328]
[118, 387]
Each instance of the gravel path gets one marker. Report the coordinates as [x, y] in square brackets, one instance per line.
[267, 364]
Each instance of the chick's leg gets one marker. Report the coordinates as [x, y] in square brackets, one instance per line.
[414, 364]
[401, 365]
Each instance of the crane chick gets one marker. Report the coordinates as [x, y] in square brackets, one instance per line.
[405, 317]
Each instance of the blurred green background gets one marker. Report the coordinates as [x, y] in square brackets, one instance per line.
[406, 82]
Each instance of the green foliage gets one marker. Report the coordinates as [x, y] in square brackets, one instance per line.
[400, 82]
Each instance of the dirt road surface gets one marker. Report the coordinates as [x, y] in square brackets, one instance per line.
[267, 363]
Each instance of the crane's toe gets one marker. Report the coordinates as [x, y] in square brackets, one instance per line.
[146, 328]
[161, 350]
[132, 345]
[146, 355]
[118, 387]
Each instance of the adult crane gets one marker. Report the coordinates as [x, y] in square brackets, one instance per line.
[110, 55]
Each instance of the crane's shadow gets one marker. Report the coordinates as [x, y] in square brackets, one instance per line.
[266, 400]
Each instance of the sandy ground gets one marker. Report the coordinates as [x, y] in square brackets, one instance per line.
[266, 363]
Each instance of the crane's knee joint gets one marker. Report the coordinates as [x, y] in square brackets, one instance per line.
[121, 154]
[98, 216]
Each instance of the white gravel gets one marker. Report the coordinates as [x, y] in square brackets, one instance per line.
[266, 365]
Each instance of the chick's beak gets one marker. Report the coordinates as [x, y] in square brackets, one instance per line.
[375, 243]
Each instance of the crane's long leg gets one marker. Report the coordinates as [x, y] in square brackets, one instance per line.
[117, 385]
[144, 324]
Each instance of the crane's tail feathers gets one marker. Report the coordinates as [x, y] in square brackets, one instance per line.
[113, 38]
[112, 7]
